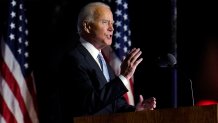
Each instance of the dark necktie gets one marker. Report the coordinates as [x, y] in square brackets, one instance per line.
[103, 66]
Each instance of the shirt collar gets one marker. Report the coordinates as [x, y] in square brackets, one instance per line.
[91, 49]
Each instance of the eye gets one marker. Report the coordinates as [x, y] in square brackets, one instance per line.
[105, 21]
[112, 24]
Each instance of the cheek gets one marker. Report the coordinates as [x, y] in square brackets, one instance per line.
[100, 33]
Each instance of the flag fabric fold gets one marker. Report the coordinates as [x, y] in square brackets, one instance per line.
[121, 41]
[17, 88]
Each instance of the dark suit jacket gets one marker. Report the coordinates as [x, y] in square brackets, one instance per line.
[84, 89]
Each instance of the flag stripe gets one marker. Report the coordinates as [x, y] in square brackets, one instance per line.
[12, 83]
[7, 115]
[24, 96]
[131, 85]
[2, 120]
[130, 93]
[32, 90]
[9, 105]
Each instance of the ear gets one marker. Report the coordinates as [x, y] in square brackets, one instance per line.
[86, 26]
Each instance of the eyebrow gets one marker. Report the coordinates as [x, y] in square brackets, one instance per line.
[107, 20]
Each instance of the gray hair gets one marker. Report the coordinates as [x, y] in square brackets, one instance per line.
[87, 13]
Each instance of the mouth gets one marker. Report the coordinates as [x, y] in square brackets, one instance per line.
[109, 36]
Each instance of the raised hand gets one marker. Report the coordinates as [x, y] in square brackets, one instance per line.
[130, 63]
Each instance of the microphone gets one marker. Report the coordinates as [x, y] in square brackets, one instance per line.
[169, 61]
[166, 61]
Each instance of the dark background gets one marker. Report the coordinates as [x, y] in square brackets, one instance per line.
[52, 27]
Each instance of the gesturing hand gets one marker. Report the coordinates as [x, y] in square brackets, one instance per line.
[148, 104]
[130, 63]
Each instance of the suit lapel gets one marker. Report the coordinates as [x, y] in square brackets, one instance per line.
[92, 65]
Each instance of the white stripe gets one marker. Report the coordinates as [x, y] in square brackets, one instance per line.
[11, 101]
[13, 65]
[2, 120]
[130, 94]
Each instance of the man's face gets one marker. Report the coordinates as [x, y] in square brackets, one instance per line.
[102, 27]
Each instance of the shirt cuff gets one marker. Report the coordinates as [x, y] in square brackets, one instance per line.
[124, 80]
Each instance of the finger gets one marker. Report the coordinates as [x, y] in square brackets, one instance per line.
[151, 102]
[136, 56]
[132, 50]
[154, 106]
[133, 53]
[128, 56]
[151, 99]
[137, 62]
[141, 99]
[150, 106]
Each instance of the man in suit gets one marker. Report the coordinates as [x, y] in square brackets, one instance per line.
[90, 87]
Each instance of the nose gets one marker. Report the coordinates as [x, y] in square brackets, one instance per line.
[111, 28]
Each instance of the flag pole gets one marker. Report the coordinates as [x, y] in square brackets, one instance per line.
[174, 51]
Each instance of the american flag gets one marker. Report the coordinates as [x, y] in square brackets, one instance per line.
[122, 42]
[17, 89]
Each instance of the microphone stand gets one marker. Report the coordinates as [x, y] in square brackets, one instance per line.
[192, 92]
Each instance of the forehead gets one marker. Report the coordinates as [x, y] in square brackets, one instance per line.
[102, 12]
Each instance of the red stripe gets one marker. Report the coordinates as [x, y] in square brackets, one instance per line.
[12, 83]
[131, 86]
[126, 97]
[4, 110]
[30, 85]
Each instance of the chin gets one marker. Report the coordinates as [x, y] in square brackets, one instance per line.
[109, 42]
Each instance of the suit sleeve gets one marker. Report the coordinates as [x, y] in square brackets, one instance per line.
[83, 93]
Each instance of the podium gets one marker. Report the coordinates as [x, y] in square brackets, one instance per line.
[194, 114]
